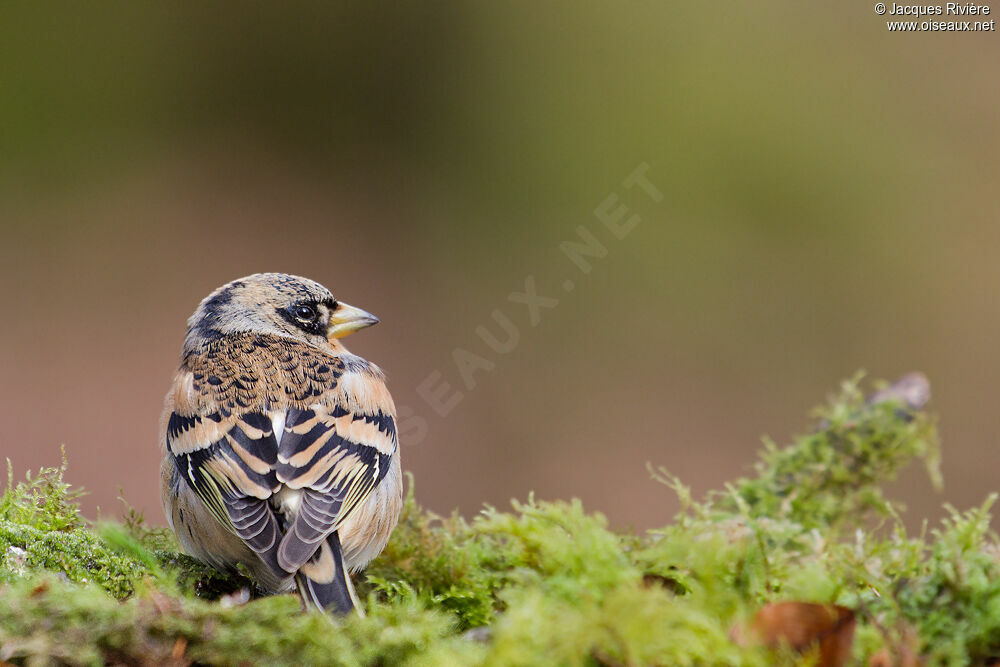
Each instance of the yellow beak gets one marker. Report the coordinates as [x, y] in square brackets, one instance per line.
[346, 319]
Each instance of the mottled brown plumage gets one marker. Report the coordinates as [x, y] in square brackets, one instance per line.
[280, 446]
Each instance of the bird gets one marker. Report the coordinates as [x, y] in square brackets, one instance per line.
[280, 449]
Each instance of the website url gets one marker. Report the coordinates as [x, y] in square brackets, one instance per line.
[941, 26]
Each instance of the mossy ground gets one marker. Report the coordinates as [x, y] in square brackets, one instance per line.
[545, 583]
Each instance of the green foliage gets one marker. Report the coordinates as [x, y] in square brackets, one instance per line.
[79, 625]
[543, 584]
[834, 474]
[41, 529]
[44, 502]
[947, 585]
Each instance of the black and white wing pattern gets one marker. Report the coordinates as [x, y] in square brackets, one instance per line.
[282, 448]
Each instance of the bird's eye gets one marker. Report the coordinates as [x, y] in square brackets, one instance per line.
[305, 313]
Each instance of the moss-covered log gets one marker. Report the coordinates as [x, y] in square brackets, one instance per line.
[545, 582]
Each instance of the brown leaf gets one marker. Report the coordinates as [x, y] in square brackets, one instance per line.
[180, 645]
[900, 653]
[806, 625]
[884, 658]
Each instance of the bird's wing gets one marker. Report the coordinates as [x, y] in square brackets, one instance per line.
[336, 452]
[229, 462]
[335, 445]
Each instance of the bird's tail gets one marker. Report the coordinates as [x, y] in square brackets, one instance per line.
[324, 582]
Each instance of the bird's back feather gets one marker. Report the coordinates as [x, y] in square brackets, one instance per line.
[337, 443]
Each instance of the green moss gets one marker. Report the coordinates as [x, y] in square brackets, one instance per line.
[834, 474]
[41, 529]
[44, 501]
[546, 583]
[79, 555]
[78, 625]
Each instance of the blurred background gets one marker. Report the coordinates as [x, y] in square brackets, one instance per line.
[829, 203]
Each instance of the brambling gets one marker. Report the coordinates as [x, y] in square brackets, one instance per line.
[279, 446]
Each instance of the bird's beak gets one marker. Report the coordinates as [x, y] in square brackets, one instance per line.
[345, 320]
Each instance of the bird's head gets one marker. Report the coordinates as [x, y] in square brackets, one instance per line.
[277, 304]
